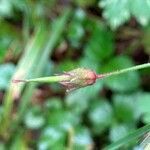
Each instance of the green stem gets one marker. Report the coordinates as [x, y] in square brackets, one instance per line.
[65, 77]
[50, 79]
[124, 70]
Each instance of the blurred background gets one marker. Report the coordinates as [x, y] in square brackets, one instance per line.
[46, 37]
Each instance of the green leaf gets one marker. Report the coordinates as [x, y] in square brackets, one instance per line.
[75, 33]
[67, 65]
[4, 43]
[51, 138]
[80, 15]
[59, 123]
[116, 12]
[122, 82]
[2, 54]
[20, 5]
[2, 146]
[100, 44]
[86, 3]
[82, 139]
[100, 115]
[143, 106]
[76, 29]
[118, 131]
[62, 119]
[146, 118]
[125, 108]
[53, 104]
[141, 10]
[79, 100]
[5, 8]
[6, 72]
[34, 118]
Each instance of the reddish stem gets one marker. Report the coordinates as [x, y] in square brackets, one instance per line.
[17, 81]
[98, 76]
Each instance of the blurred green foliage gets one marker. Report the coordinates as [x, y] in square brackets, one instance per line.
[121, 83]
[119, 11]
[46, 37]
[6, 72]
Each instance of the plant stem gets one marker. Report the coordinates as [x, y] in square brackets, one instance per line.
[105, 75]
[65, 77]
[50, 79]
[70, 139]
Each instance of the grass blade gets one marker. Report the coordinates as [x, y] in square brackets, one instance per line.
[47, 50]
[130, 137]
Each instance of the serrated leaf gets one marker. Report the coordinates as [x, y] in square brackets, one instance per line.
[115, 11]
[141, 10]
[118, 12]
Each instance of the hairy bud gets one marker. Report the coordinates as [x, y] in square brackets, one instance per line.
[78, 78]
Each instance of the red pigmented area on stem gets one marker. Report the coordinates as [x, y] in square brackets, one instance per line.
[90, 77]
[17, 81]
[99, 76]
